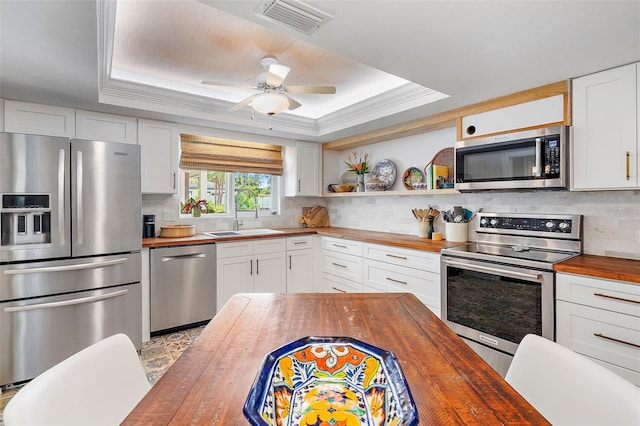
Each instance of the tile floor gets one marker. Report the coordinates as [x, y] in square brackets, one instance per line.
[156, 357]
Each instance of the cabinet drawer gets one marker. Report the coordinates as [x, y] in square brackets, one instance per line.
[333, 284]
[269, 245]
[403, 257]
[298, 243]
[342, 265]
[342, 246]
[233, 249]
[589, 331]
[606, 294]
[392, 278]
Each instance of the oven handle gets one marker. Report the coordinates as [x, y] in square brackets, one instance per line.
[65, 268]
[66, 302]
[478, 268]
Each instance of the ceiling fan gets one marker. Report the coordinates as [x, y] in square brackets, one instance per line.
[273, 97]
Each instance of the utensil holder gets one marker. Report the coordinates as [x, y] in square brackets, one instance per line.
[423, 229]
[456, 232]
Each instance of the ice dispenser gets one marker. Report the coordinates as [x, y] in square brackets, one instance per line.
[25, 219]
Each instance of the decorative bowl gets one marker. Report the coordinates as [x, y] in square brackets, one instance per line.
[177, 231]
[345, 187]
[375, 185]
[420, 185]
[330, 380]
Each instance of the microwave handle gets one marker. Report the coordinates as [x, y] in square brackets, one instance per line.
[537, 170]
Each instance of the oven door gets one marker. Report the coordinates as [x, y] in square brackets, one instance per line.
[495, 304]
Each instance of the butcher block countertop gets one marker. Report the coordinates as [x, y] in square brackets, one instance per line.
[375, 237]
[612, 268]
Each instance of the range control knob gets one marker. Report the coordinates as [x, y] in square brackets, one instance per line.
[483, 222]
[550, 225]
[493, 222]
[564, 226]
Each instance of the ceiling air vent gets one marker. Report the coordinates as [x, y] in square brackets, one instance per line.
[293, 14]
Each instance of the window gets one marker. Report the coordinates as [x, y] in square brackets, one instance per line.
[218, 174]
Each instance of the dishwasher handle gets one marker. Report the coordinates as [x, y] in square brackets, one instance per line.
[184, 256]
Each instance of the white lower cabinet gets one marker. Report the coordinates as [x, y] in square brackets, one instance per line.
[341, 265]
[300, 264]
[600, 319]
[394, 269]
[250, 266]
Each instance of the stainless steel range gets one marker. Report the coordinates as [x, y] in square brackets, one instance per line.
[501, 288]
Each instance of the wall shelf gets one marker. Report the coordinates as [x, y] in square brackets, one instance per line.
[401, 193]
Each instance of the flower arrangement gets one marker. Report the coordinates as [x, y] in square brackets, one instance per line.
[191, 204]
[358, 164]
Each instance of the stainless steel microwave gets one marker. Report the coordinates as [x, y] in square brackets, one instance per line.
[530, 159]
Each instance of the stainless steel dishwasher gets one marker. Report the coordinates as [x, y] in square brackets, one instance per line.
[183, 286]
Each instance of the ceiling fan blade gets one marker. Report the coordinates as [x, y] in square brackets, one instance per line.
[293, 104]
[217, 83]
[276, 74]
[329, 90]
[242, 103]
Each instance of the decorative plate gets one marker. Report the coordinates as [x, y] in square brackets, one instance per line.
[385, 170]
[330, 380]
[412, 175]
[349, 177]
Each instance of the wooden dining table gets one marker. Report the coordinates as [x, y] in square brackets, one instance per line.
[450, 383]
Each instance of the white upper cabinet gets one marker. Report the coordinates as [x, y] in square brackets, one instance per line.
[159, 150]
[604, 148]
[106, 127]
[302, 170]
[545, 111]
[38, 119]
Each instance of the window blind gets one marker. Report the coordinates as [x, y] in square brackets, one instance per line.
[227, 155]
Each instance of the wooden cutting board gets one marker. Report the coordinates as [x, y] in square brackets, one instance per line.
[316, 217]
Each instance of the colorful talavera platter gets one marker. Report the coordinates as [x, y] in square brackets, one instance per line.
[330, 380]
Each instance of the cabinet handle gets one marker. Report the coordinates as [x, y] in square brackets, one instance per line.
[627, 165]
[622, 299]
[339, 245]
[289, 261]
[298, 185]
[396, 281]
[339, 290]
[299, 242]
[616, 340]
[174, 180]
[395, 256]
[251, 267]
[337, 264]
[257, 266]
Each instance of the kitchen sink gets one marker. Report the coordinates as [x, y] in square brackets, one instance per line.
[242, 232]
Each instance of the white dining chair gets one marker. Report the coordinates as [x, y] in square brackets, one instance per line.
[570, 389]
[99, 385]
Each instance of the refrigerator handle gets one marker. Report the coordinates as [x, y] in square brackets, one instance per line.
[79, 213]
[71, 302]
[61, 202]
[65, 268]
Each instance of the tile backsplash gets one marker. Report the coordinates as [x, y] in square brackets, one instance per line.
[611, 219]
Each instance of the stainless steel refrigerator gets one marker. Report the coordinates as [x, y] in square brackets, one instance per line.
[70, 241]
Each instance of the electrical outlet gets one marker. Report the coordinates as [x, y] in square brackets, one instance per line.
[168, 216]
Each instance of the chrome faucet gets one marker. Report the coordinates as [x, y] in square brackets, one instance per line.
[255, 203]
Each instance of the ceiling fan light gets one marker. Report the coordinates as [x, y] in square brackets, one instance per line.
[270, 103]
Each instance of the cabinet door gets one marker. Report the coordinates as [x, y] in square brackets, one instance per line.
[37, 119]
[106, 127]
[300, 271]
[269, 273]
[604, 145]
[234, 275]
[302, 164]
[159, 147]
